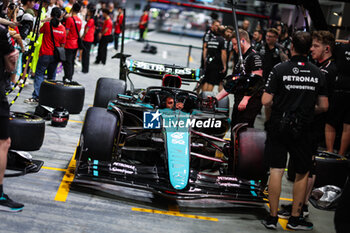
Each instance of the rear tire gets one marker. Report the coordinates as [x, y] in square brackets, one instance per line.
[249, 154]
[27, 131]
[108, 89]
[98, 136]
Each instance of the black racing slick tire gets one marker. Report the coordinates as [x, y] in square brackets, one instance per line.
[249, 148]
[57, 94]
[27, 131]
[98, 136]
[331, 169]
[108, 89]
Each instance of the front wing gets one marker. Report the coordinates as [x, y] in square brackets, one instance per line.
[155, 180]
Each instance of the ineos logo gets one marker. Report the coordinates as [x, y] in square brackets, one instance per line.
[295, 70]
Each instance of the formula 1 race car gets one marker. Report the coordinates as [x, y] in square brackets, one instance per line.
[168, 141]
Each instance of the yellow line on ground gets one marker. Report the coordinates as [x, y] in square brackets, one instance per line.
[286, 199]
[281, 198]
[76, 121]
[282, 222]
[174, 213]
[54, 168]
[67, 179]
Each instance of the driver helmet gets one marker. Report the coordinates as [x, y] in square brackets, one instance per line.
[59, 117]
[168, 101]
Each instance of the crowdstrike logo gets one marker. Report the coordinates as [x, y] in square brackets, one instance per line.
[154, 120]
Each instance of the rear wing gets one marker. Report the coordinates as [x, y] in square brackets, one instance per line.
[157, 70]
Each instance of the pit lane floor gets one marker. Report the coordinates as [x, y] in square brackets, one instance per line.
[51, 206]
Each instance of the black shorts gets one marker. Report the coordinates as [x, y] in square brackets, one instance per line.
[4, 120]
[249, 114]
[213, 76]
[300, 150]
[339, 109]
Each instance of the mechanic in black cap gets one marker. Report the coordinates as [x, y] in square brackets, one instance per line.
[295, 90]
[6, 204]
[245, 85]
[340, 105]
[215, 57]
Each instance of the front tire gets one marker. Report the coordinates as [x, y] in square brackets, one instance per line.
[98, 136]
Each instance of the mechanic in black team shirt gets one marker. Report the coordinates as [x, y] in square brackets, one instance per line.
[215, 57]
[245, 86]
[323, 43]
[340, 105]
[258, 41]
[228, 33]
[6, 204]
[270, 53]
[295, 90]
[207, 35]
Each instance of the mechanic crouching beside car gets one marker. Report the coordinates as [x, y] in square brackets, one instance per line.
[295, 90]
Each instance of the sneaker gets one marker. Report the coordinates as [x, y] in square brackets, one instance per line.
[299, 223]
[6, 204]
[31, 101]
[270, 222]
[286, 211]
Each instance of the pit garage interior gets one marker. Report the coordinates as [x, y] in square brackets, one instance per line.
[54, 204]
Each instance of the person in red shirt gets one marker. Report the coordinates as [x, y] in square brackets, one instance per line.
[88, 39]
[73, 25]
[106, 37]
[47, 60]
[143, 24]
[118, 28]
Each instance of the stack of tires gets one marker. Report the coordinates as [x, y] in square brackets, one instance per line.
[58, 94]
